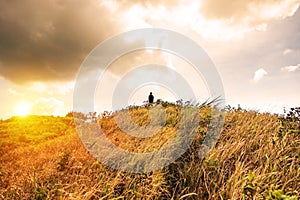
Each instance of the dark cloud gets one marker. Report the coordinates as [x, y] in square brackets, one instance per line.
[47, 40]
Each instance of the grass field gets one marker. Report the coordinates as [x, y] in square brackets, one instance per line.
[256, 157]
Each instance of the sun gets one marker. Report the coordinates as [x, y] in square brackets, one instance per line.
[22, 109]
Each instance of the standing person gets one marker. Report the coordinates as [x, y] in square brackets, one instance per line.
[150, 98]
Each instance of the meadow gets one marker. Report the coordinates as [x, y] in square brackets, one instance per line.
[257, 156]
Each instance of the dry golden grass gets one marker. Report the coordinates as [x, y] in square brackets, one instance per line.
[256, 157]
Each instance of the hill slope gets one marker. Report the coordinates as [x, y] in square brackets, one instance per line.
[257, 156]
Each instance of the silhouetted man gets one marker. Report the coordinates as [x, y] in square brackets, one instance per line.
[151, 98]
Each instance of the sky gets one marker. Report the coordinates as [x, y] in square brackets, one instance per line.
[254, 45]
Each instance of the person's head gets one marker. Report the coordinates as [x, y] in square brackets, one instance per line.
[150, 92]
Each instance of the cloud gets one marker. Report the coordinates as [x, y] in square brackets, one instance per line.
[51, 88]
[287, 51]
[248, 11]
[291, 68]
[48, 40]
[124, 4]
[12, 91]
[48, 106]
[212, 19]
[241, 17]
[259, 75]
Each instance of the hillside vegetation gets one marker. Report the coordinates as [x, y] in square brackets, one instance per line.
[257, 156]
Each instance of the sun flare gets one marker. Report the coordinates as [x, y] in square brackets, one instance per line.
[22, 109]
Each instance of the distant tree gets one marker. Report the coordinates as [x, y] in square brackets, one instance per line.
[179, 102]
[158, 101]
[106, 114]
[78, 115]
[92, 116]
[290, 122]
[293, 114]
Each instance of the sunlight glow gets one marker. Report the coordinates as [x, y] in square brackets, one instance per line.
[22, 109]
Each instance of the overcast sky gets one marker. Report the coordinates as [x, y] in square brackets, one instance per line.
[253, 43]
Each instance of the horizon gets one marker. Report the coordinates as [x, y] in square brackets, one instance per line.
[253, 45]
[286, 110]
